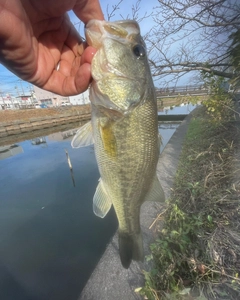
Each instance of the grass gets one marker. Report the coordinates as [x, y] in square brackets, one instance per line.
[197, 253]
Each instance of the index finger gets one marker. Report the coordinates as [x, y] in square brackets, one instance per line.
[86, 10]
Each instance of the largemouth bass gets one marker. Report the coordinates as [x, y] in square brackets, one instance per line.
[123, 128]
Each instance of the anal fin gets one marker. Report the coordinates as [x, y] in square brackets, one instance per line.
[101, 201]
[155, 193]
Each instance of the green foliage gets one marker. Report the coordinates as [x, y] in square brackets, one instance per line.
[170, 254]
[219, 104]
[181, 255]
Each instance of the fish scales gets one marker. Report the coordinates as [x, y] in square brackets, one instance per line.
[137, 155]
[123, 128]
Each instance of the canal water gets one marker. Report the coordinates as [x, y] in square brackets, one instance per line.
[50, 240]
[182, 109]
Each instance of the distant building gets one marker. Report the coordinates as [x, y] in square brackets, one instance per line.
[80, 99]
[49, 98]
[25, 99]
[8, 102]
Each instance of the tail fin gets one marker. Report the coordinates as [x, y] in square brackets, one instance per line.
[130, 248]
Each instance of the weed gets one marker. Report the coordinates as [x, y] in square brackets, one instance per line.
[219, 104]
[197, 252]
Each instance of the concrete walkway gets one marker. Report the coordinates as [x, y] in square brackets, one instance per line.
[110, 281]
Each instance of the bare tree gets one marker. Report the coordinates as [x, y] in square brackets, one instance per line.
[133, 13]
[193, 35]
[235, 57]
[186, 36]
[111, 11]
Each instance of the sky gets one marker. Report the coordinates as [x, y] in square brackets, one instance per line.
[11, 84]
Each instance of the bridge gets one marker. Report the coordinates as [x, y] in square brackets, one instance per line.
[175, 91]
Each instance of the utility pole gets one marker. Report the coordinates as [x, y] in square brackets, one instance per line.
[16, 88]
[31, 93]
[20, 80]
[2, 98]
[13, 106]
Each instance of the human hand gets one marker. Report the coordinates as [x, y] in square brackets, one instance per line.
[40, 45]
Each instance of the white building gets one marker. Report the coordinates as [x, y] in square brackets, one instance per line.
[40, 96]
[24, 101]
[49, 98]
[8, 102]
[80, 99]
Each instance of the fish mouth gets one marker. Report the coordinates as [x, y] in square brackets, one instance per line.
[107, 78]
[96, 30]
[102, 68]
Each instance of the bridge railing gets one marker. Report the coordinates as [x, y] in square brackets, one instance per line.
[181, 90]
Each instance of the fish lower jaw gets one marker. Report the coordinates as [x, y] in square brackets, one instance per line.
[101, 68]
[107, 70]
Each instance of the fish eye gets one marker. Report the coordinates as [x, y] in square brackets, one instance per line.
[139, 51]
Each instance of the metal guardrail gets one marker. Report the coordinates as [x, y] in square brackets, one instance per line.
[182, 91]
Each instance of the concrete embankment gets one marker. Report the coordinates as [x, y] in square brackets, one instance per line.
[21, 126]
[17, 130]
[109, 279]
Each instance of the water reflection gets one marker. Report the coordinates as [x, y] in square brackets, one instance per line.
[60, 136]
[10, 150]
[60, 129]
[50, 240]
[39, 140]
[182, 109]
[70, 167]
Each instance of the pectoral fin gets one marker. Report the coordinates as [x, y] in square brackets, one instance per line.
[156, 192]
[101, 201]
[83, 137]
